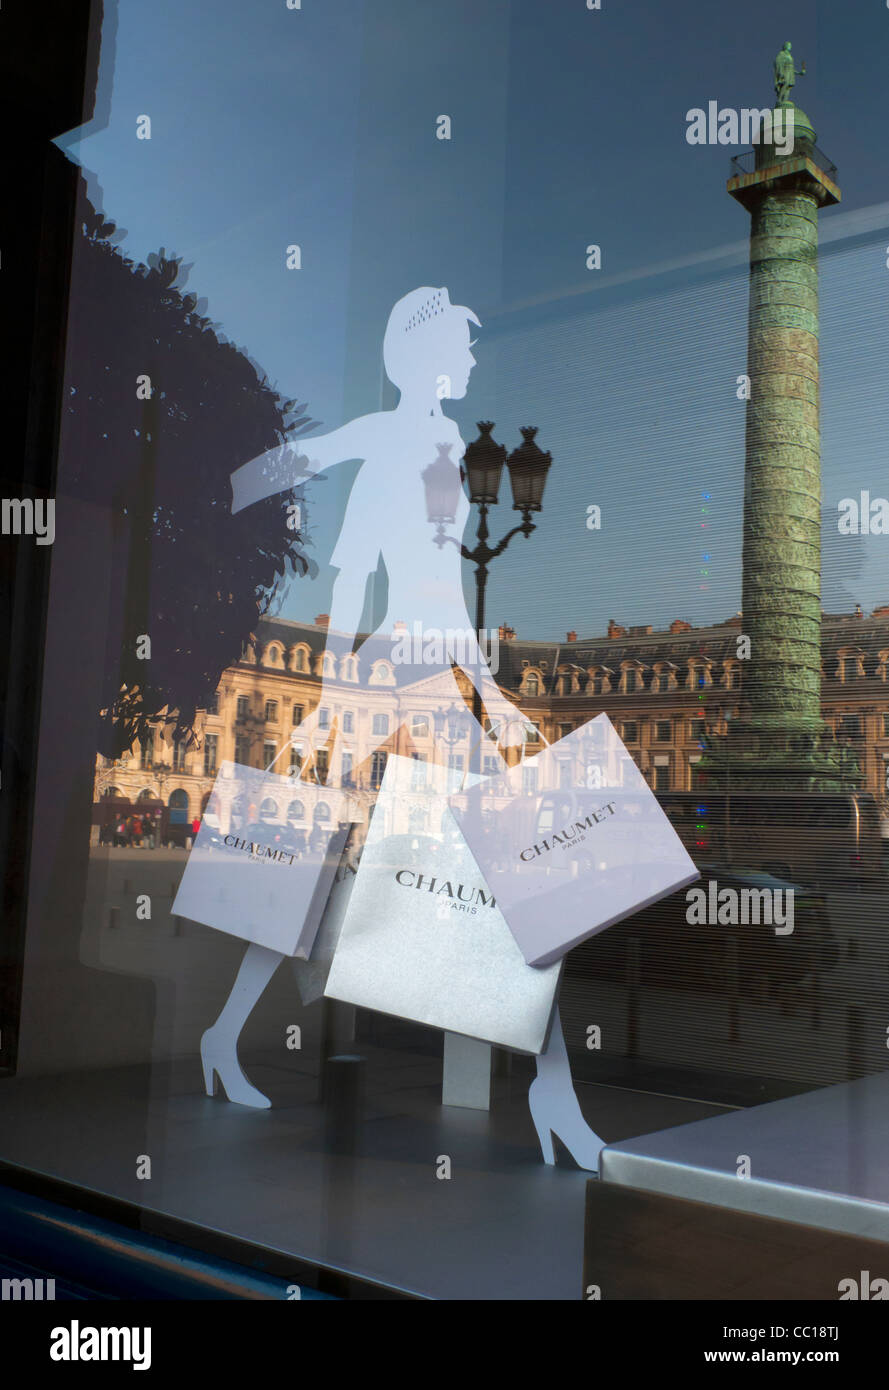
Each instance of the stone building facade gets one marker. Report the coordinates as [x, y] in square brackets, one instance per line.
[662, 690]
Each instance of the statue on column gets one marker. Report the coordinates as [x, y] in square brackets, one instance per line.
[785, 76]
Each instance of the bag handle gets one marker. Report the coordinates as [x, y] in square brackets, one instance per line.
[288, 747]
[496, 725]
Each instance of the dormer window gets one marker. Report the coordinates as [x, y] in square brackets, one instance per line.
[699, 676]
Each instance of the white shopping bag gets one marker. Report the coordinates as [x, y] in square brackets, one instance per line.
[571, 840]
[311, 974]
[265, 856]
[423, 937]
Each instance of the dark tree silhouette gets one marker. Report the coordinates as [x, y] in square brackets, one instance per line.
[187, 574]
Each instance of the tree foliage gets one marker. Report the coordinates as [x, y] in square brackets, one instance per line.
[185, 572]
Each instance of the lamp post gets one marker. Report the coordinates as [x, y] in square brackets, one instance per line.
[482, 468]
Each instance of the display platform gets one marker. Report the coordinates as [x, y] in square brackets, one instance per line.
[819, 1159]
[501, 1226]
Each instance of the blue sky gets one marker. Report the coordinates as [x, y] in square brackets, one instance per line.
[317, 126]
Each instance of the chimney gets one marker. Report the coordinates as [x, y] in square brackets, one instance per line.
[505, 632]
[614, 630]
[881, 612]
[398, 627]
[571, 636]
[679, 625]
[322, 620]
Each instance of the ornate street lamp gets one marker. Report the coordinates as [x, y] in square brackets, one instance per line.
[482, 465]
[482, 469]
[441, 479]
[453, 720]
[528, 467]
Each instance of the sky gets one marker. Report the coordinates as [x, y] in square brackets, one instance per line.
[316, 126]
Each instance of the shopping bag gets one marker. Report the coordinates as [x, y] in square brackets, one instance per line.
[571, 840]
[423, 937]
[265, 856]
[311, 974]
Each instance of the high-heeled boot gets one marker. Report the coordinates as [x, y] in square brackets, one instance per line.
[219, 1045]
[555, 1108]
[221, 1064]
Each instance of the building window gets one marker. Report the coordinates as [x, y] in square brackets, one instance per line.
[296, 811]
[564, 775]
[565, 730]
[662, 777]
[211, 752]
[298, 714]
[322, 811]
[532, 732]
[242, 709]
[348, 722]
[419, 726]
[347, 769]
[490, 766]
[629, 731]
[529, 780]
[299, 663]
[380, 724]
[268, 809]
[213, 704]
[455, 762]
[179, 755]
[886, 725]
[661, 682]
[178, 805]
[849, 726]
[349, 669]
[324, 718]
[532, 685]
[418, 773]
[564, 685]
[146, 744]
[268, 753]
[663, 731]
[598, 685]
[242, 750]
[322, 760]
[630, 680]
[328, 665]
[271, 711]
[296, 761]
[377, 766]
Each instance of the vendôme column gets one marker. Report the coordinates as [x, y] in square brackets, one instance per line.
[780, 743]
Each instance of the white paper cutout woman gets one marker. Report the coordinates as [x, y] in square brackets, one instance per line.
[427, 355]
